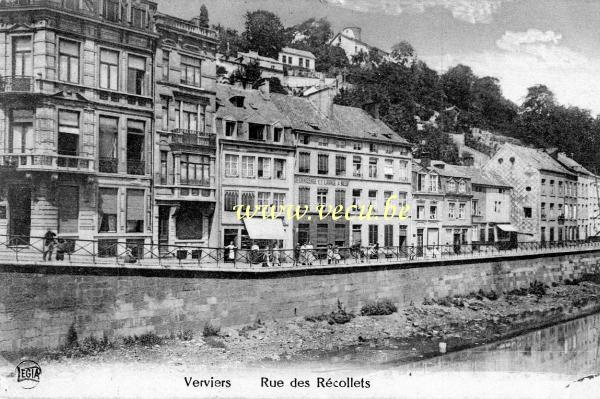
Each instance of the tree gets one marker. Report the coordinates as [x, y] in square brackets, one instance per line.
[539, 99]
[311, 34]
[230, 41]
[331, 59]
[248, 74]
[264, 33]
[275, 86]
[457, 83]
[203, 19]
[403, 53]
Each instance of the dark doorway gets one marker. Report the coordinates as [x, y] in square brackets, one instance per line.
[163, 229]
[19, 224]
[419, 242]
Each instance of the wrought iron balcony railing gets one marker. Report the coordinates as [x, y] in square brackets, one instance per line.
[135, 167]
[191, 137]
[108, 165]
[16, 84]
[47, 162]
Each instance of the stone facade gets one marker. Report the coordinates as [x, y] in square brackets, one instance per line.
[55, 96]
[38, 304]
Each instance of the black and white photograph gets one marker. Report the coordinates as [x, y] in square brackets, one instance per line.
[300, 199]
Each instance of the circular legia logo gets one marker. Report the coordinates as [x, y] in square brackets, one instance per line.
[28, 374]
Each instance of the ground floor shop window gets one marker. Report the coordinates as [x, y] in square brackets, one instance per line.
[303, 233]
[188, 221]
[107, 248]
[107, 210]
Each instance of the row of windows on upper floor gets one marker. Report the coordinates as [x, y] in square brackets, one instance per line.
[391, 168]
[69, 65]
[21, 138]
[375, 148]
[564, 188]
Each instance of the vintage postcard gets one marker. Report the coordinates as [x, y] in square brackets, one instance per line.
[299, 199]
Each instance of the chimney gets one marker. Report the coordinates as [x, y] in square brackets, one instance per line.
[372, 108]
[265, 89]
[468, 160]
[425, 159]
[323, 100]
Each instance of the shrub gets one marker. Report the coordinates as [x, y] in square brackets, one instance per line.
[147, 339]
[211, 330]
[186, 335]
[340, 316]
[72, 337]
[378, 308]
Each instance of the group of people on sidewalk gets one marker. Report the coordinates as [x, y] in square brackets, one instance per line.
[50, 242]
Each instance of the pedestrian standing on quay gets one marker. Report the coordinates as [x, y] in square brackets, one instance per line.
[49, 241]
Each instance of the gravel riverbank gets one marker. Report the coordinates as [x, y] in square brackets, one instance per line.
[409, 334]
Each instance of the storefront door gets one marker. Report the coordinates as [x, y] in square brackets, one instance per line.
[19, 223]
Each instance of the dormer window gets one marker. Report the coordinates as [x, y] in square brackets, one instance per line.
[237, 101]
[277, 134]
[138, 17]
[451, 185]
[230, 128]
[462, 187]
[111, 10]
[256, 132]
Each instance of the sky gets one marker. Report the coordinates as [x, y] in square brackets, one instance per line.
[520, 42]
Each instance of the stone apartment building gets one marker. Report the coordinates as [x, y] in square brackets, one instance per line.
[544, 194]
[490, 207]
[185, 158]
[350, 39]
[586, 212]
[442, 196]
[345, 156]
[76, 120]
[256, 159]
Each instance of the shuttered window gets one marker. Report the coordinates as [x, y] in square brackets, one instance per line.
[68, 133]
[107, 210]
[68, 209]
[135, 211]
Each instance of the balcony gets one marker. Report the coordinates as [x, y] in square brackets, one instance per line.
[108, 165]
[47, 162]
[71, 6]
[135, 167]
[190, 138]
[16, 84]
[185, 26]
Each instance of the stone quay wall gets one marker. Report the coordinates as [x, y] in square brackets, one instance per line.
[38, 303]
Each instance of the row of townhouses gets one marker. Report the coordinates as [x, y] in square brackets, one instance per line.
[113, 128]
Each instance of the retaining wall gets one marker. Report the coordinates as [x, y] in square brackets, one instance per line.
[38, 303]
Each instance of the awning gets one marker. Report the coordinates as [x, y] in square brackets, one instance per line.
[509, 228]
[265, 229]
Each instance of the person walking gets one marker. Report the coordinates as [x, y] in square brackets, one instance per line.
[310, 255]
[276, 255]
[329, 254]
[230, 252]
[49, 241]
[61, 248]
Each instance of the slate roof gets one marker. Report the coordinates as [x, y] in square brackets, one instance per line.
[257, 108]
[572, 164]
[478, 176]
[296, 51]
[348, 122]
[537, 158]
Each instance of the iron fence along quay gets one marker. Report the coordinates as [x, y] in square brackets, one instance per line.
[110, 253]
